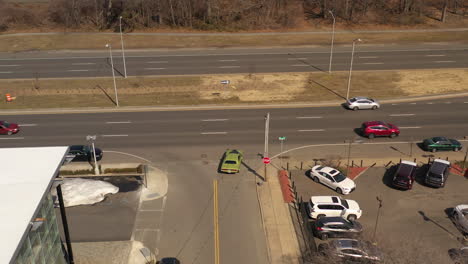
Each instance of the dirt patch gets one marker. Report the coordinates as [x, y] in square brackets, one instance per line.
[242, 88]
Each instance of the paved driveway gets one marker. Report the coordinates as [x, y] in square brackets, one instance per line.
[413, 223]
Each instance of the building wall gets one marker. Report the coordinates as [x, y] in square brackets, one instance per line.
[43, 245]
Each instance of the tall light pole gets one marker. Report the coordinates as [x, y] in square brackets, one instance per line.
[123, 50]
[113, 74]
[92, 139]
[377, 218]
[267, 131]
[351, 67]
[332, 40]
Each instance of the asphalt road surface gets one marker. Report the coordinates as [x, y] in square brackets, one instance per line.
[218, 61]
[189, 144]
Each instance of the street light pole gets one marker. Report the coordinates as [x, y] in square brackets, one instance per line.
[377, 218]
[332, 40]
[267, 131]
[96, 168]
[123, 50]
[113, 74]
[351, 67]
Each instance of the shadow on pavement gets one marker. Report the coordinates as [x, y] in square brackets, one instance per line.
[427, 219]
[388, 176]
[253, 171]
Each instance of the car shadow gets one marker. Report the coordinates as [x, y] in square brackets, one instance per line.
[358, 132]
[249, 169]
[387, 178]
[308, 174]
[421, 146]
[421, 175]
[448, 212]
[428, 219]
[454, 255]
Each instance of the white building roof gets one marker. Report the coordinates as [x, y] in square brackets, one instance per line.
[25, 176]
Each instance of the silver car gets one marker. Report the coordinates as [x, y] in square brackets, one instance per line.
[359, 102]
[460, 217]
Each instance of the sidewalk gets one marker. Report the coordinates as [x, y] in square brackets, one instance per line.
[282, 243]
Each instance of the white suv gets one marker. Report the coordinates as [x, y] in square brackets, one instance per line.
[320, 206]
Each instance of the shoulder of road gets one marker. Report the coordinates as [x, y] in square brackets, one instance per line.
[215, 107]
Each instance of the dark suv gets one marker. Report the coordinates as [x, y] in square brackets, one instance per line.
[437, 174]
[350, 251]
[404, 176]
[336, 227]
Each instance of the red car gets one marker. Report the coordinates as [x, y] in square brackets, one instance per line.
[373, 129]
[8, 128]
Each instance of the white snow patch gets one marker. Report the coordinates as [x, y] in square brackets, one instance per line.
[84, 191]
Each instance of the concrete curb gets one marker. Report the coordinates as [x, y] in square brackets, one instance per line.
[215, 107]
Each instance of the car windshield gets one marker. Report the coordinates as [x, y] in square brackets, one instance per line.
[439, 139]
[345, 204]
[352, 100]
[339, 177]
[435, 175]
[230, 162]
[6, 124]
[86, 148]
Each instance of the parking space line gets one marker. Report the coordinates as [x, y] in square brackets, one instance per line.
[213, 120]
[308, 117]
[311, 130]
[213, 133]
[402, 115]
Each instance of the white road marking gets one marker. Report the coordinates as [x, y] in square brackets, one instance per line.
[409, 127]
[297, 58]
[155, 68]
[465, 102]
[369, 57]
[157, 62]
[394, 104]
[119, 122]
[78, 70]
[299, 65]
[13, 138]
[213, 133]
[308, 117]
[373, 63]
[443, 61]
[226, 60]
[15, 65]
[430, 103]
[115, 135]
[402, 115]
[447, 102]
[228, 67]
[214, 120]
[311, 130]
[84, 63]
[27, 125]
[7, 72]
[413, 103]
[435, 55]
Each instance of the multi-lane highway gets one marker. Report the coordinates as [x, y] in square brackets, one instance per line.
[222, 61]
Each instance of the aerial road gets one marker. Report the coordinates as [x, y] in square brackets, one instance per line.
[73, 64]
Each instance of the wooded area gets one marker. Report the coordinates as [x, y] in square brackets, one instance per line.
[222, 15]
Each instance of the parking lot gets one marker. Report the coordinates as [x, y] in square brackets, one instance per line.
[413, 226]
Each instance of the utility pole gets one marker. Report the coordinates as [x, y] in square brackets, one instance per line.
[113, 74]
[281, 139]
[351, 67]
[267, 131]
[332, 40]
[92, 139]
[123, 50]
[215, 221]
[377, 218]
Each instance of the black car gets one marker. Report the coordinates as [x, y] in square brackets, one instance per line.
[350, 251]
[83, 153]
[404, 175]
[168, 261]
[326, 227]
[459, 256]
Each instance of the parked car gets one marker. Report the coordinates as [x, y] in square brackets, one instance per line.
[322, 206]
[83, 153]
[168, 261]
[359, 102]
[332, 178]
[438, 172]
[232, 160]
[326, 227]
[351, 250]
[459, 256]
[373, 129]
[404, 175]
[441, 143]
[8, 128]
[460, 218]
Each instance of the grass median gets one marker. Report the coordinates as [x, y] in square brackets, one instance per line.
[61, 41]
[242, 89]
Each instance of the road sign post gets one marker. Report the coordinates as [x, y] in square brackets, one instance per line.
[281, 139]
[266, 160]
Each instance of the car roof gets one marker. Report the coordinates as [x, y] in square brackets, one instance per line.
[76, 147]
[330, 170]
[347, 243]
[442, 161]
[409, 163]
[324, 199]
[332, 219]
[360, 97]
[435, 139]
[375, 123]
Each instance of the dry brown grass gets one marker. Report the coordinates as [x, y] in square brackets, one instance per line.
[243, 88]
[97, 41]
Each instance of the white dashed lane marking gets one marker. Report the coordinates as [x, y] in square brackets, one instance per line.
[214, 120]
[13, 138]
[444, 61]
[15, 65]
[157, 62]
[311, 130]
[373, 63]
[119, 122]
[308, 117]
[78, 70]
[410, 127]
[84, 63]
[402, 115]
[226, 60]
[368, 57]
[155, 68]
[115, 135]
[6, 72]
[27, 125]
[435, 55]
[213, 133]
[300, 65]
[297, 58]
[229, 67]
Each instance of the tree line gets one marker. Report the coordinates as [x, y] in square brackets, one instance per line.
[222, 15]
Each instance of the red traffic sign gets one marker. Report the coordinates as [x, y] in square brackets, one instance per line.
[266, 160]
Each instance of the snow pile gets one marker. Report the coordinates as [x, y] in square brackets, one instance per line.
[83, 191]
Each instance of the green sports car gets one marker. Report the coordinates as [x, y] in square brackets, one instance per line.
[232, 159]
[441, 143]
